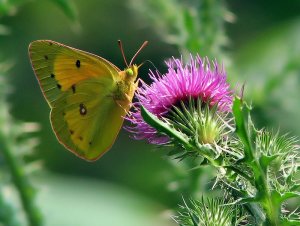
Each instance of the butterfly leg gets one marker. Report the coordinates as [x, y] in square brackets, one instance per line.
[136, 84]
[121, 105]
[133, 88]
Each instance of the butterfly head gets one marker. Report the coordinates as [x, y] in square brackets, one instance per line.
[132, 69]
[131, 72]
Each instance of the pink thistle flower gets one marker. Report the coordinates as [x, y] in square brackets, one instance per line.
[197, 79]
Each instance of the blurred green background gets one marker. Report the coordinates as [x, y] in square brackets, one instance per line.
[135, 183]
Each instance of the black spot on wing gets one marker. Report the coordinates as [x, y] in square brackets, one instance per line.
[59, 86]
[82, 109]
[78, 63]
[73, 88]
[52, 75]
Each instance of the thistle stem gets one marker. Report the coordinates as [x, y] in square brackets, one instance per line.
[247, 133]
[272, 210]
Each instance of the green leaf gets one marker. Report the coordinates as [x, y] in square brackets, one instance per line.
[287, 222]
[289, 195]
[244, 127]
[295, 187]
[265, 161]
[165, 128]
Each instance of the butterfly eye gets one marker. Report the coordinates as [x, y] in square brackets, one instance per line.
[129, 71]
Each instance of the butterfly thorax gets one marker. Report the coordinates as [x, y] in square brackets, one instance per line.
[126, 85]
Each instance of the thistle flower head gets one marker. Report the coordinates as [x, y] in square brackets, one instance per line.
[211, 212]
[196, 84]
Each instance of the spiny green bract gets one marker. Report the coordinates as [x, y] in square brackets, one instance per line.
[211, 212]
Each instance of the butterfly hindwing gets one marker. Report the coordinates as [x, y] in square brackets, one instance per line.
[79, 87]
[88, 120]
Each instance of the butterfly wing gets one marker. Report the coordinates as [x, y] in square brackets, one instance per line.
[78, 87]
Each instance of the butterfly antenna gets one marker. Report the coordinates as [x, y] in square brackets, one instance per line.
[122, 51]
[150, 62]
[135, 55]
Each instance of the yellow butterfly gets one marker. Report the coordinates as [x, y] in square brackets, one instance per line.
[88, 95]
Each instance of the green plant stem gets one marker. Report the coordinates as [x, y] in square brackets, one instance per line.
[264, 196]
[272, 209]
[26, 191]
[261, 184]
[247, 133]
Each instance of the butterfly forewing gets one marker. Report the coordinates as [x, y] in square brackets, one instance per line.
[59, 67]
